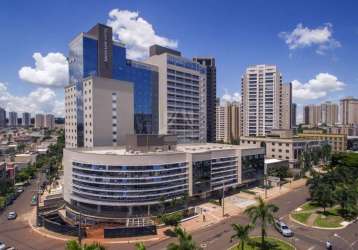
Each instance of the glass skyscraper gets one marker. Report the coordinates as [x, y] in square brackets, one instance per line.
[95, 53]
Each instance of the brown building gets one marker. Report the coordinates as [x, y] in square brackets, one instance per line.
[337, 141]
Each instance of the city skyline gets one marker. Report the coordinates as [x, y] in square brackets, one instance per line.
[315, 54]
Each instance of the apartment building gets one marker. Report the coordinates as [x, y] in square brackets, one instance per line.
[39, 121]
[294, 115]
[338, 142]
[349, 111]
[182, 95]
[329, 113]
[26, 119]
[49, 121]
[228, 122]
[312, 115]
[13, 119]
[2, 118]
[264, 106]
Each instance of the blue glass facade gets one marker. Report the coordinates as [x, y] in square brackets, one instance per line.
[84, 62]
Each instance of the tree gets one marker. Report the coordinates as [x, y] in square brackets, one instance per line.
[140, 246]
[74, 245]
[326, 152]
[323, 195]
[347, 197]
[241, 233]
[264, 213]
[186, 241]
[172, 219]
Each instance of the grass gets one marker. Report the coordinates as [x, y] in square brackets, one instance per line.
[330, 219]
[309, 206]
[272, 244]
[301, 217]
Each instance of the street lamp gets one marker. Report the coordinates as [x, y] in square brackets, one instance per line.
[222, 199]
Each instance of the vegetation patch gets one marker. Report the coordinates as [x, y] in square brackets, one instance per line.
[271, 243]
[301, 217]
[329, 219]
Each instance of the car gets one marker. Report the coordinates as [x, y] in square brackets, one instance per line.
[283, 229]
[2, 245]
[11, 216]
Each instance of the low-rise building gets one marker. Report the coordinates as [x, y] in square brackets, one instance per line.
[135, 180]
[283, 148]
[338, 142]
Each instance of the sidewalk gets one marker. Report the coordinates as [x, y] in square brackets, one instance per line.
[233, 205]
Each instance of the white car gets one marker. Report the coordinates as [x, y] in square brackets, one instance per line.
[283, 229]
[2, 245]
[11, 216]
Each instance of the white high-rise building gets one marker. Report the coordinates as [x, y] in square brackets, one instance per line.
[182, 95]
[39, 121]
[26, 119]
[12, 119]
[262, 105]
[228, 122]
[49, 121]
[108, 112]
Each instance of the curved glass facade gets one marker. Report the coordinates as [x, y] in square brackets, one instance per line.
[129, 184]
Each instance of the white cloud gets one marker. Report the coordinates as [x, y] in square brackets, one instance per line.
[318, 87]
[49, 71]
[138, 35]
[231, 97]
[301, 37]
[41, 100]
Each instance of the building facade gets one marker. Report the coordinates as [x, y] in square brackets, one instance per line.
[94, 53]
[228, 122]
[108, 112]
[210, 65]
[182, 95]
[2, 118]
[49, 121]
[263, 101]
[312, 115]
[39, 121]
[329, 113]
[26, 119]
[338, 142]
[294, 115]
[349, 111]
[133, 181]
[12, 119]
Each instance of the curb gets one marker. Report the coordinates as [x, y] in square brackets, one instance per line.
[322, 228]
[286, 242]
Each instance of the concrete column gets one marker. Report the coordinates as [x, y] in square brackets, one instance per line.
[130, 210]
[148, 210]
[98, 208]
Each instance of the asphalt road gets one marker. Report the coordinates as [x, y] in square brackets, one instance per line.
[215, 237]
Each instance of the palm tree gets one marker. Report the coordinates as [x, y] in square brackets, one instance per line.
[264, 213]
[140, 246]
[186, 241]
[74, 245]
[241, 233]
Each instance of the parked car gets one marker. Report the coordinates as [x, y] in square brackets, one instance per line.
[11, 216]
[283, 229]
[2, 245]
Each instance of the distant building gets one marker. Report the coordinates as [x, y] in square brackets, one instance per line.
[12, 119]
[39, 121]
[266, 102]
[182, 96]
[2, 118]
[108, 112]
[349, 111]
[209, 63]
[312, 115]
[329, 113]
[228, 122]
[49, 121]
[26, 119]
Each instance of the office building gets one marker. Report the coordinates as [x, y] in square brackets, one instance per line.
[108, 112]
[12, 119]
[329, 113]
[264, 100]
[349, 111]
[209, 63]
[49, 121]
[94, 53]
[26, 119]
[286, 109]
[105, 183]
[283, 147]
[294, 115]
[2, 118]
[182, 95]
[338, 142]
[228, 122]
[39, 121]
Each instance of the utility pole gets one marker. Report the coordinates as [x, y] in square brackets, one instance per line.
[79, 229]
[222, 199]
[265, 178]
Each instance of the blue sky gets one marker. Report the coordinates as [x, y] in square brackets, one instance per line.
[318, 49]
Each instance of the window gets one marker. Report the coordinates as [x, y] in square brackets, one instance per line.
[273, 150]
[287, 151]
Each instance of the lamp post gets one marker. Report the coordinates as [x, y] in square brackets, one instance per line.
[222, 199]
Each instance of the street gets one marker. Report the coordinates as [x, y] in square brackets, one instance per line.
[215, 237]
